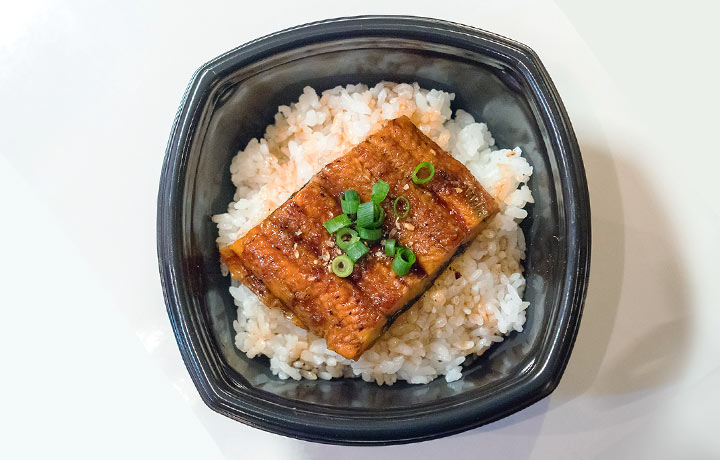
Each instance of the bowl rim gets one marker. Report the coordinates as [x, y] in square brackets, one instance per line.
[398, 425]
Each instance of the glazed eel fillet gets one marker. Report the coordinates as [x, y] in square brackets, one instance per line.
[286, 259]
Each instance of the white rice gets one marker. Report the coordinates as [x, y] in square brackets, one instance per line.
[460, 314]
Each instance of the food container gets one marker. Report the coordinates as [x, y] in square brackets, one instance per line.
[233, 97]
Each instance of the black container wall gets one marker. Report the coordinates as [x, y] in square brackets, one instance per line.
[233, 97]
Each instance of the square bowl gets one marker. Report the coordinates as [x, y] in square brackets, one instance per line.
[232, 98]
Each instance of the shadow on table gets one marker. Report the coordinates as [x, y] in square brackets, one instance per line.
[637, 300]
[511, 437]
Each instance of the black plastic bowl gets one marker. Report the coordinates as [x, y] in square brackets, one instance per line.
[233, 97]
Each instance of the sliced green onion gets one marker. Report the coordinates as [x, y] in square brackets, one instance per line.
[349, 206]
[423, 165]
[378, 216]
[365, 214]
[356, 250]
[352, 195]
[342, 266]
[407, 206]
[345, 237]
[379, 191]
[370, 215]
[370, 234]
[390, 248]
[350, 201]
[403, 261]
[337, 222]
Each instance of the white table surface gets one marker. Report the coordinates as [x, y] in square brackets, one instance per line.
[88, 92]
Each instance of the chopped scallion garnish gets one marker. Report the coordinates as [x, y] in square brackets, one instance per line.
[350, 202]
[379, 191]
[342, 266]
[378, 216]
[370, 234]
[345, 237]
[390, 248]
[352, 195]
[406, 206]
[337, 222]
[424, 165]
[370, 215]
[349, 207]
[403, 261]
[365, 214]
[356, 250]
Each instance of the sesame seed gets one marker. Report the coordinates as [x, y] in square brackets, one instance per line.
[406, 186]
[409, 226]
